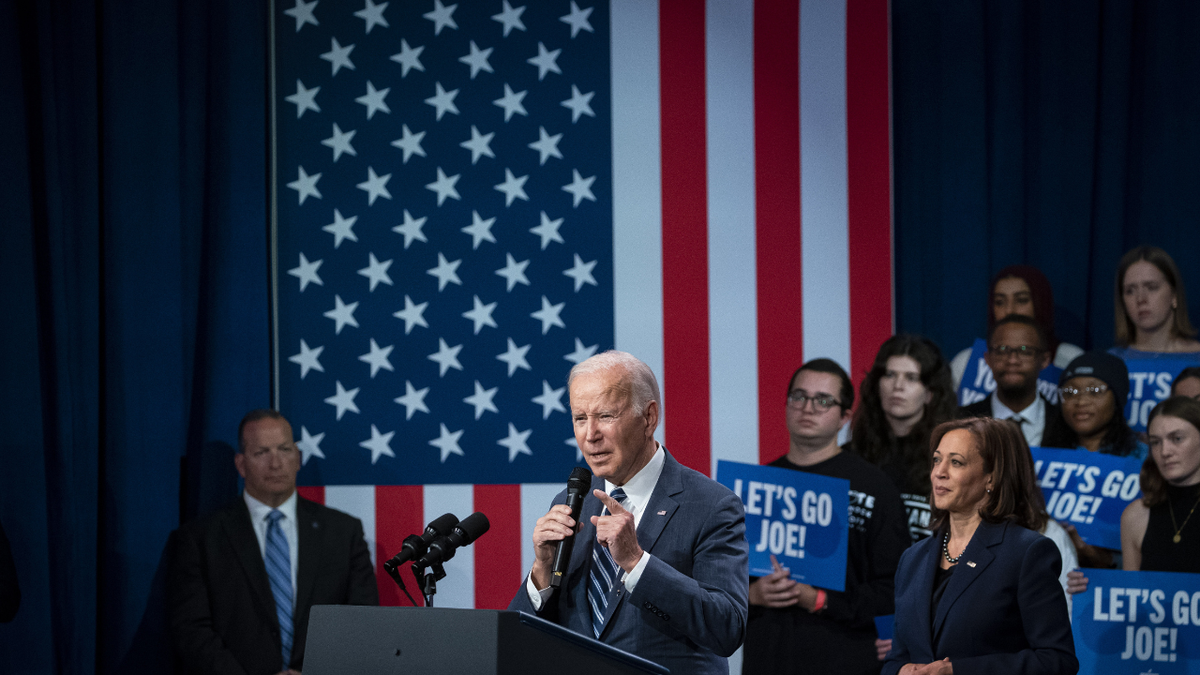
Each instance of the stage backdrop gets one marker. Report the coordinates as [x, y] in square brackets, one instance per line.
[471, 198]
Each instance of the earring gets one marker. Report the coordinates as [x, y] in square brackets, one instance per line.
[989, 491]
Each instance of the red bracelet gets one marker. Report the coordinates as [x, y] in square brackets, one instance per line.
[820, 603]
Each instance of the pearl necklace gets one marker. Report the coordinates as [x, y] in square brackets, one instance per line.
[946, 550]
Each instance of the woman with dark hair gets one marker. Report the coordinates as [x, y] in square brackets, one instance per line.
[982, 594]
[905, 395]
[1150, 308]
[1020, 289]
[1093, 390]
[1187, 383]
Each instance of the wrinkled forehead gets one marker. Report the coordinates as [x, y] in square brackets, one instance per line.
[607, 389]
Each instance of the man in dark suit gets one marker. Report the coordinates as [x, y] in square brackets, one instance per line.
[1016, 354]
[660, 567]
[242, 580]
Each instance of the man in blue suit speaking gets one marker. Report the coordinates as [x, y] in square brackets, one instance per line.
[660, 563]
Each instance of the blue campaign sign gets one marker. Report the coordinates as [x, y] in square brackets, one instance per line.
[1089, 490]
[1138, 622]
[978, 382]
[1149, 382]
[800, 518]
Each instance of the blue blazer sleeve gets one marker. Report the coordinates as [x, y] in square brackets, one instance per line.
[1003, 610]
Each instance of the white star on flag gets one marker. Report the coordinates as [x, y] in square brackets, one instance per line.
[377, 272]
[410, 143]
[513, 187]
[310, 445]
[548, 230]
[446, 272]
[515, 357]
[339, 56]
[303, 13]
[442, 101]
[341, 228]
[305, 99]
[343, 400]
[379, 444]
[413, 400]
[340, 142]
[548, 315]
[482, 400]
[511, 102]
[306, 185]
[442, 17]
[448, 443]
[477, 59]
[516, 442]
[342, 314]
[578, 19]
[550, 399]
[480, 230]
[580, 104]
[411, 229]
[546, 61]
[581, 272]
[581, 353]
[377, 358]
[511, 18]
[481, 315]
[412, 314]
[409, 58]
[479, 144]
[580, 188]
[373, 15]
[546, 145]
[307, 359]
[375, 186]
[513, 272]
[306, 272]
[444, 186]
[446, 357]
[373, 99]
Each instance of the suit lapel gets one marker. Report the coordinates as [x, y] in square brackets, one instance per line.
[237, 526]
[662, 504]
[975, 559]
[308, 550]
[923, 588]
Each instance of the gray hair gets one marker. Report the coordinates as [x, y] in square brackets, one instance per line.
[643, 385]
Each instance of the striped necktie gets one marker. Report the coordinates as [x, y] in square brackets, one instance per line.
[603, 576]
[279, 572]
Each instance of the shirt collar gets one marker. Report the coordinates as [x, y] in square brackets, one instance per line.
[1035, 414]
[638, 489]
[259, 510]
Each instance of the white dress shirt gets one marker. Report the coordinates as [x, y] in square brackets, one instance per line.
[637, 495]
[1032, 419]
[258, 519]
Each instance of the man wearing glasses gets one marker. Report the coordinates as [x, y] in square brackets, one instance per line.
[1016, 354]
[795, 627]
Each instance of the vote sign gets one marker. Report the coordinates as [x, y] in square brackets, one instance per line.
[978, 381]
[1138, 622]
[800, 518]
[1089, 490]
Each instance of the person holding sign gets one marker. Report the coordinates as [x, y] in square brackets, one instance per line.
[1151, 308]
[1017, 352]
[793, 626]
[905, 395]
[981, 594]
[1024, 290]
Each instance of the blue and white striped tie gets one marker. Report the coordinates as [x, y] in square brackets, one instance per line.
[279, 571]
[603, 576]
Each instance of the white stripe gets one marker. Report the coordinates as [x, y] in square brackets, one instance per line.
[824, 235]
[535, 502]
[733, 338]
[637, 184]
[458, 588]
[358, 501]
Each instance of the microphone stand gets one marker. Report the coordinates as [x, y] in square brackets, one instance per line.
[429, 587]
[395, 575]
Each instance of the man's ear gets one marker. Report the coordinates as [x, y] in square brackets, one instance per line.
[239, 460]
[650, 414]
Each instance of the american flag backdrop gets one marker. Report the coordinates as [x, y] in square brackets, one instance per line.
[470, 197]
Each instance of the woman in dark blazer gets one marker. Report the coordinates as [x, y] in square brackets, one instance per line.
[981, 595]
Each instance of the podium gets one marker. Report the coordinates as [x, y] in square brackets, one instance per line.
[435, 641]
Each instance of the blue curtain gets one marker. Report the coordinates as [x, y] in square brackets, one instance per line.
[133, 282]
[1056, 134]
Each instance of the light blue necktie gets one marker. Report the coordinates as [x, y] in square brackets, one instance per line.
[279, 571]
[603, 576]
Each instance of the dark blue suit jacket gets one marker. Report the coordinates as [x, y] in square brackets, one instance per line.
[1003, 610]
[688, 610]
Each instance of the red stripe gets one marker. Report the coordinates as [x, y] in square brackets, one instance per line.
[313, 493]
[777, 198]
[868, 132]
[399, 512]
[498, 553]
[684, 232]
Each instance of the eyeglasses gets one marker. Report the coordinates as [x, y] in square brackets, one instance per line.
[821, 402]
[1070, 393]
[1023, 352]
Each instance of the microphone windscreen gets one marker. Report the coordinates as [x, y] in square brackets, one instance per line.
[472, 527]
[443, 524]
[580, 479]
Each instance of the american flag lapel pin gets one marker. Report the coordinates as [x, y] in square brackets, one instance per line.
[970, 564]
[662, 513]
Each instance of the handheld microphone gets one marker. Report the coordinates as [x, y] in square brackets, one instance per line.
[467, 531]
[577, 489]
[415, 547]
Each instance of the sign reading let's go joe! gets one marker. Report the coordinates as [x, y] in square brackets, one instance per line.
[1149, 382]
[800, 518]
[1138, 622]
[1090, 490]
[978, 380]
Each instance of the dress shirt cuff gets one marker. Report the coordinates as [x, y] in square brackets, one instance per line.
[537, 598]
[631, 579]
